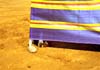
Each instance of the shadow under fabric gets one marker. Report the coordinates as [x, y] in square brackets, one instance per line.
[65, 21]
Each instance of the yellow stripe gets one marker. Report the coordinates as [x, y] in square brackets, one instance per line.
[63, 27]
[63, 23]
[61, 7]
[68, 2]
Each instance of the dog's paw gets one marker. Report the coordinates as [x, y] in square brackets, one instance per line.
[32, 48]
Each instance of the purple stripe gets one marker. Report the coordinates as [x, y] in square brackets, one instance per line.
[87, 37]
[77, 16]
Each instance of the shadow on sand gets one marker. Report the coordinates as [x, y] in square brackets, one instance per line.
[87, 47]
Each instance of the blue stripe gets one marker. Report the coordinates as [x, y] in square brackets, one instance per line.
[77, 16]
[87, 37]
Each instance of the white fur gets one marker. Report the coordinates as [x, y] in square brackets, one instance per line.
[32, 48]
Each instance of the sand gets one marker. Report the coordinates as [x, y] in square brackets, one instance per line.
[14, 35]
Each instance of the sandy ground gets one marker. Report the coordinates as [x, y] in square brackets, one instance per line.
[14, 34]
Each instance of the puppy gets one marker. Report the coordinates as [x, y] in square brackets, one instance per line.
[34, 44]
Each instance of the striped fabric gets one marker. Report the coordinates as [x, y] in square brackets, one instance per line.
[66, 21]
